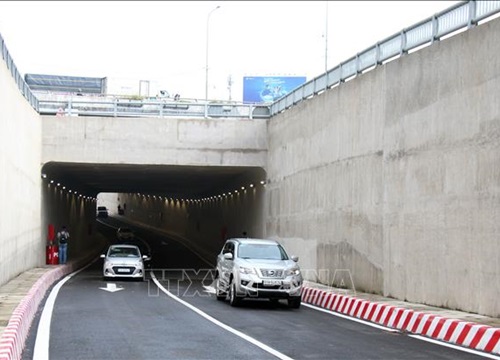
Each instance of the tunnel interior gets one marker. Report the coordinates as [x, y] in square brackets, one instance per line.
[200, 206]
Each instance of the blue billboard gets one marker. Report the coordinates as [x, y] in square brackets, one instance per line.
[259, 89]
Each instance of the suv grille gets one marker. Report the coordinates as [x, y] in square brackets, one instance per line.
[272, 273]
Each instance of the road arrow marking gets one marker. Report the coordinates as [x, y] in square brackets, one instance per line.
[111, 287]
[209, 289]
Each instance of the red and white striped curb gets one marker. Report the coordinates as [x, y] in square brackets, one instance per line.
[16, 332]
[471, 335]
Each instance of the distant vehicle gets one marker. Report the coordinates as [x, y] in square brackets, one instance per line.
[124, 261]
[102, 212]
[124, 233]
[257, 268]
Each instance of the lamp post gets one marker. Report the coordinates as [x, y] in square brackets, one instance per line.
[206, 54]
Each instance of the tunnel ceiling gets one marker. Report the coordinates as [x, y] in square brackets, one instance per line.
[171, 180]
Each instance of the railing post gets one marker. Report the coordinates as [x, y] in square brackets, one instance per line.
[70, 106]
[377, 54]
[435, 29]
[403, 43]
[472, 14]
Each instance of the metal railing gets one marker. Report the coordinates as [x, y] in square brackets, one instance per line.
[21, 84]
[119, 107]
[460, 16]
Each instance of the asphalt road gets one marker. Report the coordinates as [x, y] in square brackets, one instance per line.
[181, 319]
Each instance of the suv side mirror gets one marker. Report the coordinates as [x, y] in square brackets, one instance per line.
[228, 256]
[102, 256]
[294, 258]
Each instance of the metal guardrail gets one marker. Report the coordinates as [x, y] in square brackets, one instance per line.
[21, 84]
[159, 108]
[460, 16]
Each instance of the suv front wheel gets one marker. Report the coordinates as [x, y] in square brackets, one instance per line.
[294, 302]
[234, 300]
[219, 294]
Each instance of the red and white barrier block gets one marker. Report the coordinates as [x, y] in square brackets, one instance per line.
[471, 335]
[17, 330]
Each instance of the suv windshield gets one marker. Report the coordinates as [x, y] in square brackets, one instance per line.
[262, 251]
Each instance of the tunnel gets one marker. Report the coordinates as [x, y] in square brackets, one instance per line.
[200, 206]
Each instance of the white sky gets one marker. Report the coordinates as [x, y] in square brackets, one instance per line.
[165, 41]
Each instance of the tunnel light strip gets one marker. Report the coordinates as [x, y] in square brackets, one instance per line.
[63, 188]
[200, 200]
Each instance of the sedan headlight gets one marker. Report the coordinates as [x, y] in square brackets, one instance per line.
[293, 272]
[245, 270]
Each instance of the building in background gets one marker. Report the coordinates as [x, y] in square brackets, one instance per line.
[79, 85]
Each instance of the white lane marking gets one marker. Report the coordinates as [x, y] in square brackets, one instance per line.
[475, 352]
[111, 287]
[350, 318]
[42, 341]
[221, 324]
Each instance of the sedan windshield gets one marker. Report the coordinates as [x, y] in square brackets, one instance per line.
[123, 252]
[262, 251]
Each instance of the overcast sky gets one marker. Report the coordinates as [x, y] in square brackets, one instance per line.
[165, 41]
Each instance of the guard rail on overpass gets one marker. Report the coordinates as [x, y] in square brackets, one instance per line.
[108, 106]
[461, 16]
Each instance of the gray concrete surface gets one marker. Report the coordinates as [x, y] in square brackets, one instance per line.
[394, 176]
[155, 141]
[20, 157]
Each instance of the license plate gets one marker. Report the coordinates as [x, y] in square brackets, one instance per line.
[271, 282]
[123, 270]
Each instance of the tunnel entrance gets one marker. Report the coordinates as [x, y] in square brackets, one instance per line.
[200, 206]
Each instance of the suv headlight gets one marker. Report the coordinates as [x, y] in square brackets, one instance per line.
[293, 271]
[245, 270]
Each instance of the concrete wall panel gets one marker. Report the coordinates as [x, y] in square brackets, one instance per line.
[20, 180]
[394, 176]
[163, 141]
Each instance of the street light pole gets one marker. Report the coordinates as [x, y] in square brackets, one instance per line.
[206, 54]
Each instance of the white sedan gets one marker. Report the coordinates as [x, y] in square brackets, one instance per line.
[124, 261]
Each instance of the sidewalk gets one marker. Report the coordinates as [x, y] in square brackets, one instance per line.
[20, 298]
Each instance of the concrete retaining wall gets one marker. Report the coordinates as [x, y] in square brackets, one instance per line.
[162, 141]
[29, 203]
[20, 181]
[394, 178]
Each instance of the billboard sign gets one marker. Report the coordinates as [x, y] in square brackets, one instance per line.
[266, 89]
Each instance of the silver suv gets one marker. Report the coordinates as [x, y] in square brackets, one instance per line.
[257, 268]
